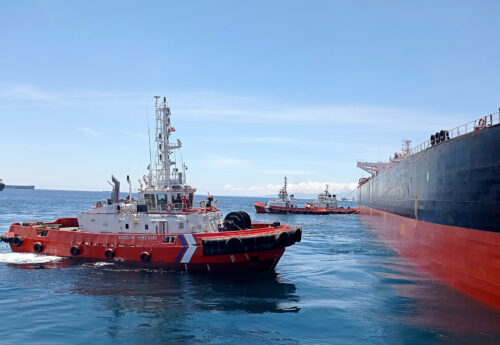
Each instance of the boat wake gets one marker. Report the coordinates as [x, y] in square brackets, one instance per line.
[27, 258]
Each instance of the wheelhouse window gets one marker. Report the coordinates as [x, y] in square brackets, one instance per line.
[162, 201]
[177, 201]
[150, 201]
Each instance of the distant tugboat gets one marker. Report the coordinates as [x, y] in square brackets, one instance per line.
[163, 228]
[2, 185]
[325, 200]
[326, 203]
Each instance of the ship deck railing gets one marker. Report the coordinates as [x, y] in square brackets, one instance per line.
[478, 124]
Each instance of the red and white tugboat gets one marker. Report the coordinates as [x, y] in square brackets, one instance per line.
[163, 228]
[325, 204]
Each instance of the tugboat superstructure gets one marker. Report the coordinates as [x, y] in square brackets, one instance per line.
[284, 200]
[163, 228]
[165, 201]
[325, 200]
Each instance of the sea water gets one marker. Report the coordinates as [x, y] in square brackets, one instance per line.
[341, 285]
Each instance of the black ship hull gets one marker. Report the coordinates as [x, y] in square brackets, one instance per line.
[441, 208]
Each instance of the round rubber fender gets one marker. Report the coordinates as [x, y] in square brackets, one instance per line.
[234, 221]
[234, 245]
[247, 219]
[38, 247]
[17, 241]
[145, 257]
[109, 253]
[297, 235]
[75, 250]
[283, 239]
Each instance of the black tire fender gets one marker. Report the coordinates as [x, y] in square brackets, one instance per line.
[75, 250]
[297, 235]
[283, 239]
[109, 253]
[145, 257]
[37, 247]
[234, 245]
[17, 241]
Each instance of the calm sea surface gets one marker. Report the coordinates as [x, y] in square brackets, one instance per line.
[340, 285]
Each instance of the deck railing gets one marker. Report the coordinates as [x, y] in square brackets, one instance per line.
[478, 124]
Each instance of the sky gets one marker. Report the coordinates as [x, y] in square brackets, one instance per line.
[258, 89]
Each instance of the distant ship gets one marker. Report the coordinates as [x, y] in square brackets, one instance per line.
[438, 204]
[11, 186]
[2, 185]
[287, 204]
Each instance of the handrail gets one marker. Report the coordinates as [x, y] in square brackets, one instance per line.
[478, 124]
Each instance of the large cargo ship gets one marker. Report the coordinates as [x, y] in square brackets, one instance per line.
[438, 204]
[12, 186]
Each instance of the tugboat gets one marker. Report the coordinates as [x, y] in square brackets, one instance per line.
[164, 228]
[324, 200]
[325, 204]
[284, 202]
[2, 185]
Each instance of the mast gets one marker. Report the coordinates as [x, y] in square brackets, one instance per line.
[162, 175]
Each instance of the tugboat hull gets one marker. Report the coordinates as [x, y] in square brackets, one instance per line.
[256, 249]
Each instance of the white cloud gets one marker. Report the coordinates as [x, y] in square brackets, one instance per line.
[310, 187]
[27, 93]
[89, 131]
[225, 162]
[252, 140]
[212, 106]
[282, 172]
[227, 108]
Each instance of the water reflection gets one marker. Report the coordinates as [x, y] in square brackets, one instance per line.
[130, 290]
[428, 303]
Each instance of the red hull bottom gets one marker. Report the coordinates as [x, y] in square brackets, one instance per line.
[465, 258]
[250, 250]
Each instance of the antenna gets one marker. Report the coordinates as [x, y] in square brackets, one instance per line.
[149, 139]
[129, 189]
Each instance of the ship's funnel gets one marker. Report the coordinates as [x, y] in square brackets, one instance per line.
[115, 194]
